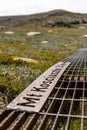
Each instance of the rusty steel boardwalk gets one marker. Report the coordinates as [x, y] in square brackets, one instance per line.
[57, 100]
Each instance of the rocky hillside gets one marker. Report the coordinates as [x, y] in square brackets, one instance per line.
[53, 18]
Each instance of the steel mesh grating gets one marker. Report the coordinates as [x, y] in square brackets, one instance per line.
[64, 109]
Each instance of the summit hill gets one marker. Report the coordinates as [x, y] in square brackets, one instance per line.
[55, 18]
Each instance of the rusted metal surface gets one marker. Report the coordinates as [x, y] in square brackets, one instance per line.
[34, 96]
[66, 106]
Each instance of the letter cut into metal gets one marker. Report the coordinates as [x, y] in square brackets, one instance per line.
[35, 95]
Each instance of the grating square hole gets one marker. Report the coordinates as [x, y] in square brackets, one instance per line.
[85, 94]
[58, 84]
[49, 123]
[85, 108]
[75, 73]
[72, 85]
[69, 94]
[78, 94]
[37, 123]
[56, 106]
[64, 84]
[62, 77]
[85, 124]
[61, 123]
[26, 121]
[77, 108]
[64, 74]
[75, 124]
[46, 105]
[65, 107]
[80, 84]
[61, 93]
[68, 78]
[81, 72]
[81, 78]
[70, 72]
[53, 93]
[86, 78]
[86, 88]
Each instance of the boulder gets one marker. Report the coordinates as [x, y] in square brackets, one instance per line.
[9, 32]
[27, 60]
[44, 42]
[85, 35]
[50, 31]
[33, 33]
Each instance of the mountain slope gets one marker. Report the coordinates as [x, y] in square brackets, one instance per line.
[51, 18]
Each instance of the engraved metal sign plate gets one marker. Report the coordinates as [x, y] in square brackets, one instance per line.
[35, 95]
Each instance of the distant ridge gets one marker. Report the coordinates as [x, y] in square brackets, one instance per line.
[52, 18]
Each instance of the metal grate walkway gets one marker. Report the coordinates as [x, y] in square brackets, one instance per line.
[64, 108]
